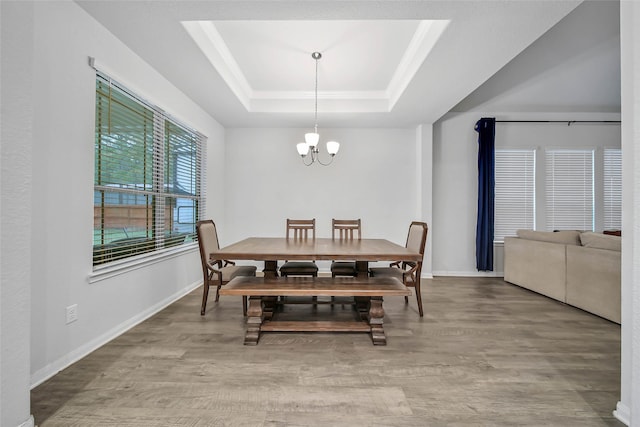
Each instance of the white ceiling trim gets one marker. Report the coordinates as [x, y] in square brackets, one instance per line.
[207, 37]
[350, 105]
[209, 40]
[331, 101]
[306, 95]
[424, 39]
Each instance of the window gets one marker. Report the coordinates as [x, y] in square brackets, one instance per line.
[612, 189]
[514, 192]
[569, 190]
[148, 191]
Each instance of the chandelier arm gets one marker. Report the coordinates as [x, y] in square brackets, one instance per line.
[308, 164]
[325, 164]
[312, 156]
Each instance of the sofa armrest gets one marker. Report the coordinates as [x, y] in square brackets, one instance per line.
[594, 281]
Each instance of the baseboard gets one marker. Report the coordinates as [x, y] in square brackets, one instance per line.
[469, 273]
[53, 368]
[29, 423]
[623, 413]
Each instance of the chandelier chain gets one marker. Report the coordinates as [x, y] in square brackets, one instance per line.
[316, 105]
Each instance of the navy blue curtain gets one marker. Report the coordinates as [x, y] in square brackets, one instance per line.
[486, 128]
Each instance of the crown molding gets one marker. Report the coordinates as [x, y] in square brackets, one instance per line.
[424, 39]
[209, 40]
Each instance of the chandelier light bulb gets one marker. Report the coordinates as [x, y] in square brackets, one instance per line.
[303, 149]
[312, 139]
[333, 147]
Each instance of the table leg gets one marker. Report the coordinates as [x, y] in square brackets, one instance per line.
[270, 272]
[362, 268]
[270, 269]
[362, 303]
[254, 321]
[268, 307]
[362, 307]
[376, 314]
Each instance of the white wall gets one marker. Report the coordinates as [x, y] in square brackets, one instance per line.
[62, 175]
[424, 146]
[373, 177]
[17, 22]
[455, 173]
[628, 408]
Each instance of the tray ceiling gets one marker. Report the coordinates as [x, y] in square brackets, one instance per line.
[385, 63]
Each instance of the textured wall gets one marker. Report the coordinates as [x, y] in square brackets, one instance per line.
[16, 189]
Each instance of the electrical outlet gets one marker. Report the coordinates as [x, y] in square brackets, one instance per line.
[72, 313]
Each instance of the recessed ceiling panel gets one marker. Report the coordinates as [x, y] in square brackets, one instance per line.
[357, 55]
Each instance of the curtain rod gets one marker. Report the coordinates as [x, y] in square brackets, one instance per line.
[568, 122]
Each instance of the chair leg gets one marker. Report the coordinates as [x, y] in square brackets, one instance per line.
[244, 305]
[406, 299]
[419, 297]
[205, 294]
[218, 293]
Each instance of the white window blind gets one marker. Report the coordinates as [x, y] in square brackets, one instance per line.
[148, 182]
[569, 189]
[514, 192]
[612, 189]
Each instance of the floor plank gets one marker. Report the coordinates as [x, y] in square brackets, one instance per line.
[485, 353]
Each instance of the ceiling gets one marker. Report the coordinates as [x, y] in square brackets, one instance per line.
[384, 63]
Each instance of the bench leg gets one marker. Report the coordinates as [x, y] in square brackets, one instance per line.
[254, 321]
[376, 314]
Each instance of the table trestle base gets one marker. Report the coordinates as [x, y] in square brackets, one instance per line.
[368, 294]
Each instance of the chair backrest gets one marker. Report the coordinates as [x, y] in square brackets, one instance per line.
[417, 237]
[300, 228]
[347, 229]
[207, 240]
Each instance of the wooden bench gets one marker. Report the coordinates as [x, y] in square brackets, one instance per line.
[263, 292]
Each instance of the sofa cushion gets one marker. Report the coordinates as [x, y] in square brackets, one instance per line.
[601, 241]
[566, 237]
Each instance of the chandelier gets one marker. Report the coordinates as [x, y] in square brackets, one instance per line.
[310, 146]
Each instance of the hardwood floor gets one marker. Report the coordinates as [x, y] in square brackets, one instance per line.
[486, 353]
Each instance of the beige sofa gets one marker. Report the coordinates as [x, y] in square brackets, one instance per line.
[581, 269]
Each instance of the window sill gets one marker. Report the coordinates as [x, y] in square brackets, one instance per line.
[117, 268]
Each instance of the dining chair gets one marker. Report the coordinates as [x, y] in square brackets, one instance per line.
[408, 271]
[217, 272]
[346, 229]
[300, 229]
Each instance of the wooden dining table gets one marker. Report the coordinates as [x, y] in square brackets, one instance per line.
[263, 292]
[274, 249]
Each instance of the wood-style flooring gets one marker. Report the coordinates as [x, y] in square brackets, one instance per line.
[486, 353]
